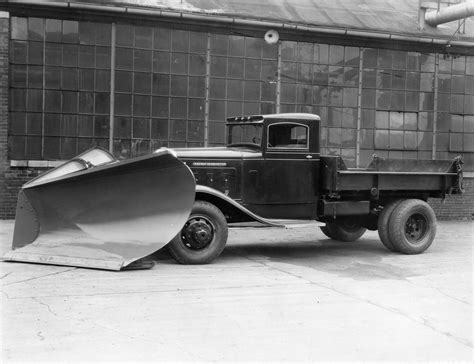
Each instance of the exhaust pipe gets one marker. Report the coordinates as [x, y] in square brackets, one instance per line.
[450, 13]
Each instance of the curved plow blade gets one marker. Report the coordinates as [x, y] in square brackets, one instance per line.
[97, 212]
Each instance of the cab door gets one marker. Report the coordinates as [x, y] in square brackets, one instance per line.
[283, 184]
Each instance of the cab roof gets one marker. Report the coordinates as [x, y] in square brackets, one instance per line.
[283, 116]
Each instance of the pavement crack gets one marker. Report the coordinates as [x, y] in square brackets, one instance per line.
[46, 305]
[421, 321]
[5, 275]
[42, 276]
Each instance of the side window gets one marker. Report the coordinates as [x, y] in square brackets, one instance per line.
[288, 136]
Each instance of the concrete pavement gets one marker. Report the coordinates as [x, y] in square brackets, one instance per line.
[273, 295]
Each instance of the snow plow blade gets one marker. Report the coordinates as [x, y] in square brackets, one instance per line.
[97, 212]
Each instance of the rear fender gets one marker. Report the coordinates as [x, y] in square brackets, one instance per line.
[233, 210]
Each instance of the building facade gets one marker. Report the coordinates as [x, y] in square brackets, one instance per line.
[74, 78]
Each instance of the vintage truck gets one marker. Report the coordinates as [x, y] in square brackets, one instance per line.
[96, 211]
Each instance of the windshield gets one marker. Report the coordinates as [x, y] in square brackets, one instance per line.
[245, 134]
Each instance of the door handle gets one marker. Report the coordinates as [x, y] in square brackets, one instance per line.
[309, 156]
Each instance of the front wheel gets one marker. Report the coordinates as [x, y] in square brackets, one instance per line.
[412, 226]
[343, 231]
[202, 238]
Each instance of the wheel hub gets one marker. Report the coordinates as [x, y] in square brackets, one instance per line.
[197, 233]
[415, 227]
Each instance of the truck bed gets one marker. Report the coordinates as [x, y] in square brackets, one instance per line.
[435, 177]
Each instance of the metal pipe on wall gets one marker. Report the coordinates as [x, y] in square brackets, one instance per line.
[450, 13]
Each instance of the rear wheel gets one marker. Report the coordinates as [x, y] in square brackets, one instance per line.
[202, 238]
[412, 226]
[343, 231]
[382, 224]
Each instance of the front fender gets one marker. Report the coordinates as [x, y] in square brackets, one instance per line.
[224, 202]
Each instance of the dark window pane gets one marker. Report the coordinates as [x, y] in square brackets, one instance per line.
[350, 97]
[197, 65]
[102, 103]
[87, 56]
[198, 42]
[85, 126]
[197, 86]
[18, 99]
[18, 76]
[399, 60]
[398, 80]
[219, 44]
[269, 51]
[162, 39]
[86, 102]
[195, 131]
[396, 139]
[69, 102]
[336, 75]
[288, 50]
[141, 105]
[334, 137]
[122, 148]
[381, 119]
[123, 128]
[382, 99]
[52, 124]
[218, 66]
[252, 69]
[368, 98]
[234, 108]
[102, 126]
[179, 85]
[235, 67]
[251, 90]
[217, 110]
[217, 88]
[335, 96]
[142, 83]
[33, 147]
[143, 60]
[304, 73]
[143, 37]
[397, 101]
[160, 84]
[288, 93]
[235, 89]
[124, 59]
[123, 81]
[35, 100]
[18, 52]
[304, 94]
[196, 109]
[52, 101]
[17, 123]
[413, 61]
[35, 29]
[53, 54]
[381, 139]
[70, 31]
[179, 40]
[159, 129]
[86, 79]
[351, 76]
[51, 148]
[253, 47]
[160, 107]
[320, 74]
[70, 55]
[124, 35]
[53, 30]
[161, 62]
[336, 55]
[102, 80]
[19, 28]
[367, 118]
[216, 133]
[321, 53]
[268, 91]
[178, 130]
[351, 56]
[179, 63]
[102, 59]
[34, 124]
[320, 95]
[123, 104]
[35, 53]
[69, 125]
[384, 59]
[178, 108]
[84, 144]
[236, 45]
[87, 33]
[413, 80]
[141, 128]
[70, 77]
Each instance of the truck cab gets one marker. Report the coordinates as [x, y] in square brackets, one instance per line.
[270, 164]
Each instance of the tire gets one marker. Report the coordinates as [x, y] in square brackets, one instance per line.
[412, 226]
[343, 231]
[203, 238]
[382, 224]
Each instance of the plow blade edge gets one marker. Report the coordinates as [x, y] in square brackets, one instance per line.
[97, 212]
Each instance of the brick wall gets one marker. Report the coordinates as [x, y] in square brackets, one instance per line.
[456, 207]
[4, 191]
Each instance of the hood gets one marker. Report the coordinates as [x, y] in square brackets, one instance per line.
[218, 153]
